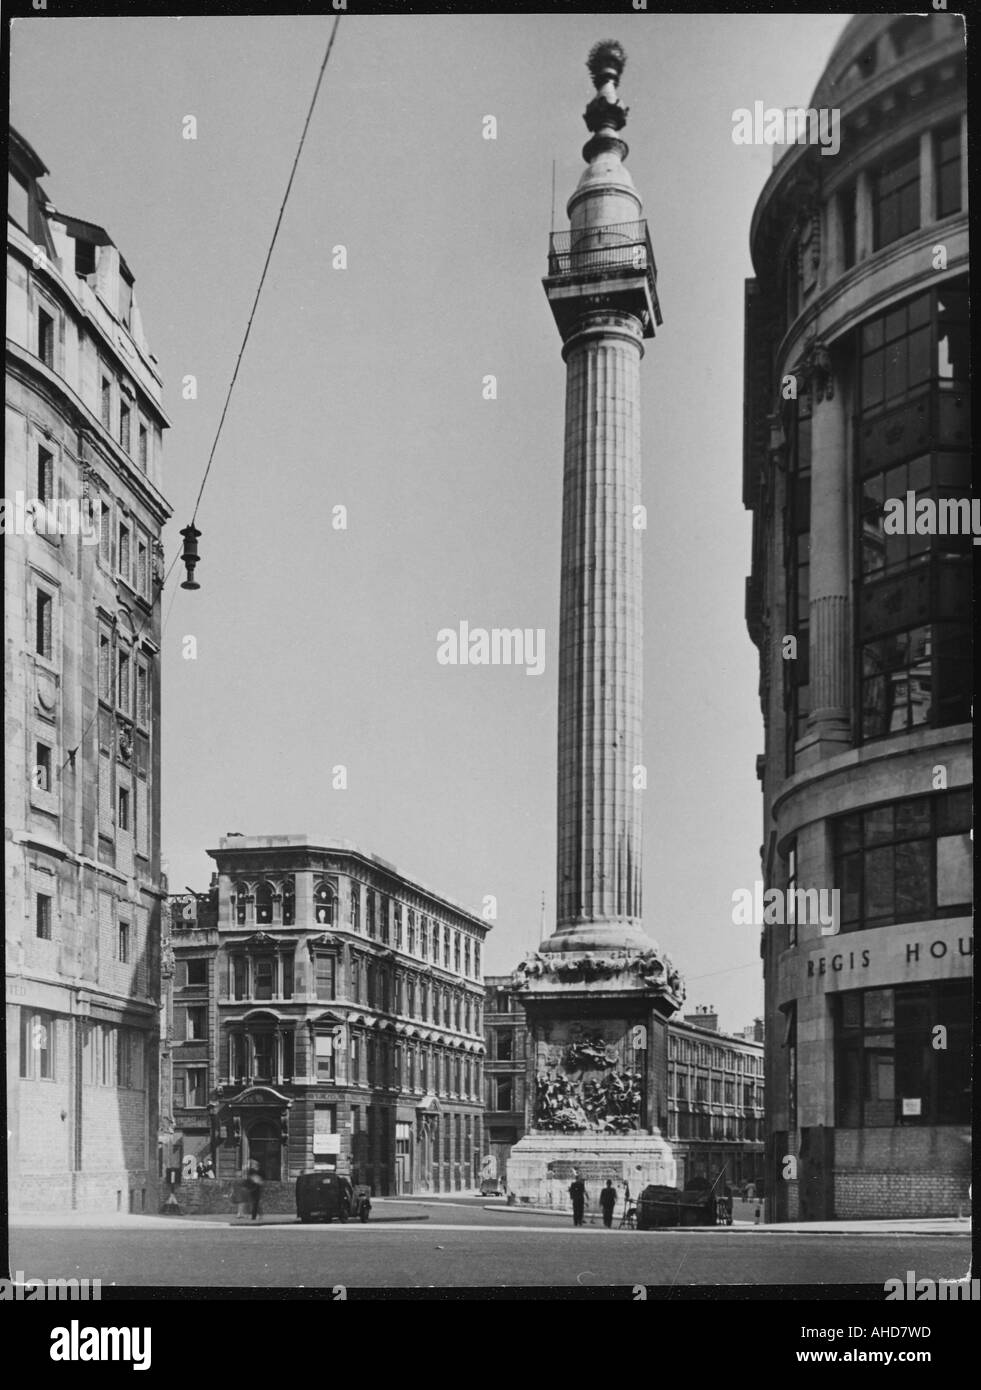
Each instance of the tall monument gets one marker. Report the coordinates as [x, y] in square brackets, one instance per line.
[599, 991]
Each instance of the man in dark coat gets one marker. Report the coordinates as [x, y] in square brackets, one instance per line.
[608, 1201]
[577, 1191]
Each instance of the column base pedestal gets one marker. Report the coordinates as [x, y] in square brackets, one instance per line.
[542, 1166]
[826, 739]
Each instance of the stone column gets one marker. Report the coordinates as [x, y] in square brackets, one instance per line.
[829, 722]
[863, 217]
[303, 899]
[928, 196]
[601, 640]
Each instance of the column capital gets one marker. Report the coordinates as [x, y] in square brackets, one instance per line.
[816, 368]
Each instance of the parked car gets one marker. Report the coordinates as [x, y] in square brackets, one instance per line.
[321, 1196]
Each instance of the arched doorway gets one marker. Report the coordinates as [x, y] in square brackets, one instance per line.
[265, 1148]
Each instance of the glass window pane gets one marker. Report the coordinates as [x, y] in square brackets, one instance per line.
[920, 474]
[954, 812]
[880, 1007]
[909, 207]
[873, 380]
[918, 311]
[954, 870]
[849, 833]
[879, 883]
[896, 368]
[851, 1010]
[953, 471]
[879, 825]
[896, 324]
[851, 888]
[912, 879]
[913, 819]
[919, 356]
[872, 334]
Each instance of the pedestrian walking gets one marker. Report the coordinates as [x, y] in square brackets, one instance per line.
[253, 1183]
[577, 1191]
[608, 1200]
[242, 1194]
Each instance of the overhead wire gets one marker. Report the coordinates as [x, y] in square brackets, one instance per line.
[265, 268]
[238, 362]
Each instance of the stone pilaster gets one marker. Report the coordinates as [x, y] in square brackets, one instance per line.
[601, 636]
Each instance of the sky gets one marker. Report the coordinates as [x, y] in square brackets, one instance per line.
[363, 388]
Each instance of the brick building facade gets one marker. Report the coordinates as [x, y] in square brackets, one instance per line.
[857, 400]
[325, 1011]
[82, 564]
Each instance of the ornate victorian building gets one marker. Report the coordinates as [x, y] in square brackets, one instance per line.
[326, 1012]
[856, 397]
[82, 567]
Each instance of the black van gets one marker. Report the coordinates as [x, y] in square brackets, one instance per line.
[320, 1196]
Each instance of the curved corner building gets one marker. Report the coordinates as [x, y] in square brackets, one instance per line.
[857, 471]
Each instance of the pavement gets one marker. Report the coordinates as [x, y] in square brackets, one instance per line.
[396, 1211]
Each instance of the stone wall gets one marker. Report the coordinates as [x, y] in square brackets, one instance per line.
[204, 1197]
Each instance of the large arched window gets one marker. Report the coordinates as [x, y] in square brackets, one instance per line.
[323, 903]
[263, 903]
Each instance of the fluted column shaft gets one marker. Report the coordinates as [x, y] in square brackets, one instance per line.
[830, 605]
[601, 632]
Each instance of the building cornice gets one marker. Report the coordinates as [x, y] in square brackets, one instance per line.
[856, 111]
[849, 765]
[854, 297]
[225, 856]
[19, 245]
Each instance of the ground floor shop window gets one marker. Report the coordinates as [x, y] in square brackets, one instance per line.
[903, 1055]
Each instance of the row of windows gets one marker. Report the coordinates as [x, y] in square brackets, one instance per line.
[715, 1091]
[270, 1055]
[42, 928]
[371, 983]
[118, 410]
[133, 545]
[894, 191]
[736, 1128]
[391, 923]
[712, 1055]
[111, 1055]
[905, 861]
[902, 861]
[913, 640]
[125, 683]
